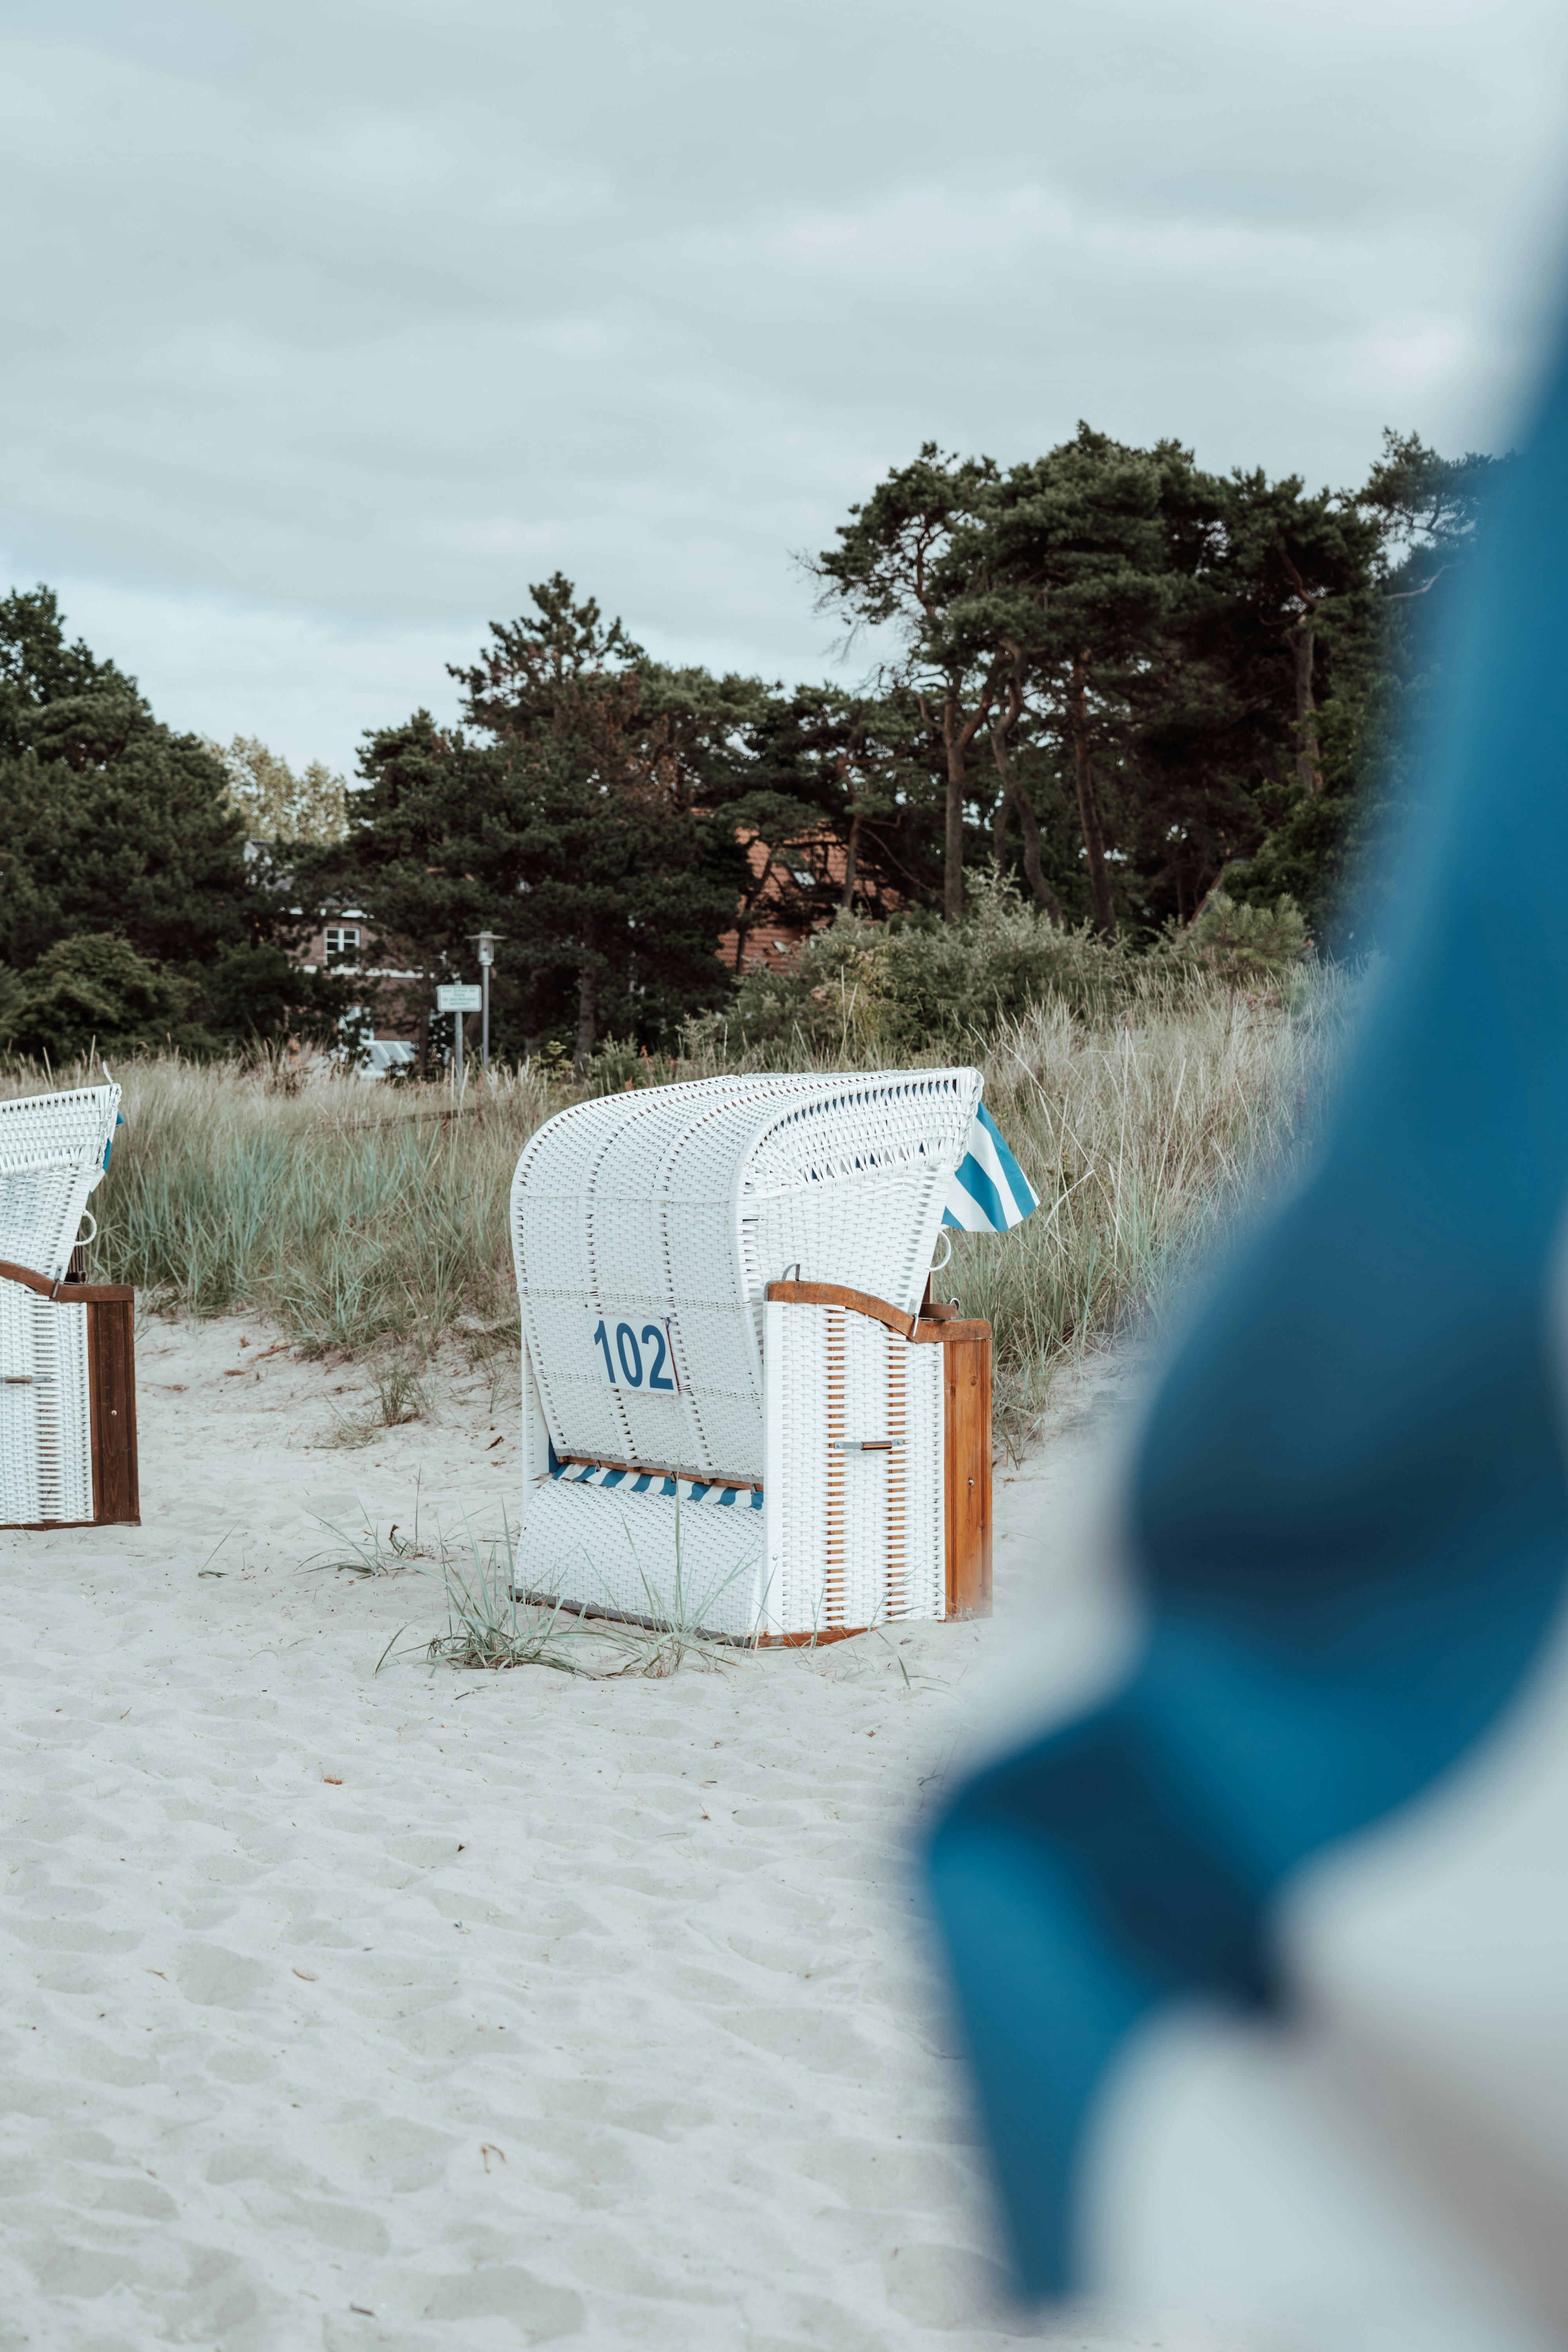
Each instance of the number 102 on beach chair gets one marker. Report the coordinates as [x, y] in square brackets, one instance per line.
[743, 1411]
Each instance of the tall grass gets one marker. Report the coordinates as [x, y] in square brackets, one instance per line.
[368, 1217]
[356, 1215]
[1149, 1138]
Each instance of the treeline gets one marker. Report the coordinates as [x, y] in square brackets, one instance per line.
[1116, 678]
[129, 913]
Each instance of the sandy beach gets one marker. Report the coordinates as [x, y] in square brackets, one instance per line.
[426, 2008]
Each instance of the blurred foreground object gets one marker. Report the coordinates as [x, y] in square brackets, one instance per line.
[1264, 1961]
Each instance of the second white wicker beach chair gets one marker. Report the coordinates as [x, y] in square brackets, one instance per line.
[67, 1424]
[735, 1412]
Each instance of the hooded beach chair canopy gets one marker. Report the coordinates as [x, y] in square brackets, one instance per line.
[54, 1150]
[681, 1203]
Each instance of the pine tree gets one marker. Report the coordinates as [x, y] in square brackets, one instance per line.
[571, 815]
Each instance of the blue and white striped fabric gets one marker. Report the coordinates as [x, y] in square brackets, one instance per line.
[655, 1482]
[989, 1193]
[1263, 1958]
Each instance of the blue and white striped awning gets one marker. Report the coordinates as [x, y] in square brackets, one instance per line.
[989, 1193]
[656, 1482]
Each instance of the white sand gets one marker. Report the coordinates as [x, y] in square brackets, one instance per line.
[504, 2009]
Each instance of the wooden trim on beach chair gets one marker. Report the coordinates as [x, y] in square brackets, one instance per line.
[834, 1294]
[940, 1327]
[30, 1280]
[656, 1470]
[64, 1292]
[966, 1431]
[111, 1384]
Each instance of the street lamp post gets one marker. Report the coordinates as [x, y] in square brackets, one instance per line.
[486, 943]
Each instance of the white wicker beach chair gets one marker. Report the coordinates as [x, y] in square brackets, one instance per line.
[67, 1387]
[735, 1413]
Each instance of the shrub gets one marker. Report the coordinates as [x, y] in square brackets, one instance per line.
[896, 987]
[1246, 947]
[260, 995]
[96, 990]
[617, 1068]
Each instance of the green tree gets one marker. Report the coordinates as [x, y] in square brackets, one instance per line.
[1069, 577]
[1300, 570]
[571, 814]
[119, 828]
[1172, 634]
[905, 558]
[1029, 605]
[832, 776]
[114, 822]
[1428, 510]
[37, 666]
[273, 803]
[1420, 518]
[1246, 708]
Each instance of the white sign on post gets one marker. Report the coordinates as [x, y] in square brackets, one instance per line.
[458, 998]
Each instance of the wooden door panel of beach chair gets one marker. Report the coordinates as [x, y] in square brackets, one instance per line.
[46, 1412]
[647, 1228]
[854, 1477]
[961, 1540]
[68, 1401]
[67, 1406]
[966, 1454]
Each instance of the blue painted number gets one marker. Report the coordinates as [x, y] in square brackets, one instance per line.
[656, 1378]
[631, 1364]
[626, 1364]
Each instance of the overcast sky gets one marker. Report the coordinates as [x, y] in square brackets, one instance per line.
[330, 327]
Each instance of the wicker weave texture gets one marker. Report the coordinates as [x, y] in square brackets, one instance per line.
[51, 1157]
[854, 1538]
[45, 1424]
[650, 1555]
[675, 1207]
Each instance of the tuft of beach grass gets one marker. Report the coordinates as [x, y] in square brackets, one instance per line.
[491, 1626]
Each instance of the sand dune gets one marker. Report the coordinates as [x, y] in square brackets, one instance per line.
[417, 2010]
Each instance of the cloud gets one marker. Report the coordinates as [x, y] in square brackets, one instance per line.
[329, 329]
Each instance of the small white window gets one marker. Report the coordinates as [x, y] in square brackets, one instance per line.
[804, 875]
[343, 939]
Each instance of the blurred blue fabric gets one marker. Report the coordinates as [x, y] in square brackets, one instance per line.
[1349, 1515]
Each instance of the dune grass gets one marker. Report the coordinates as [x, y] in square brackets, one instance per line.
[1152, 1140]
[372, 1220]
[355, 1214]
